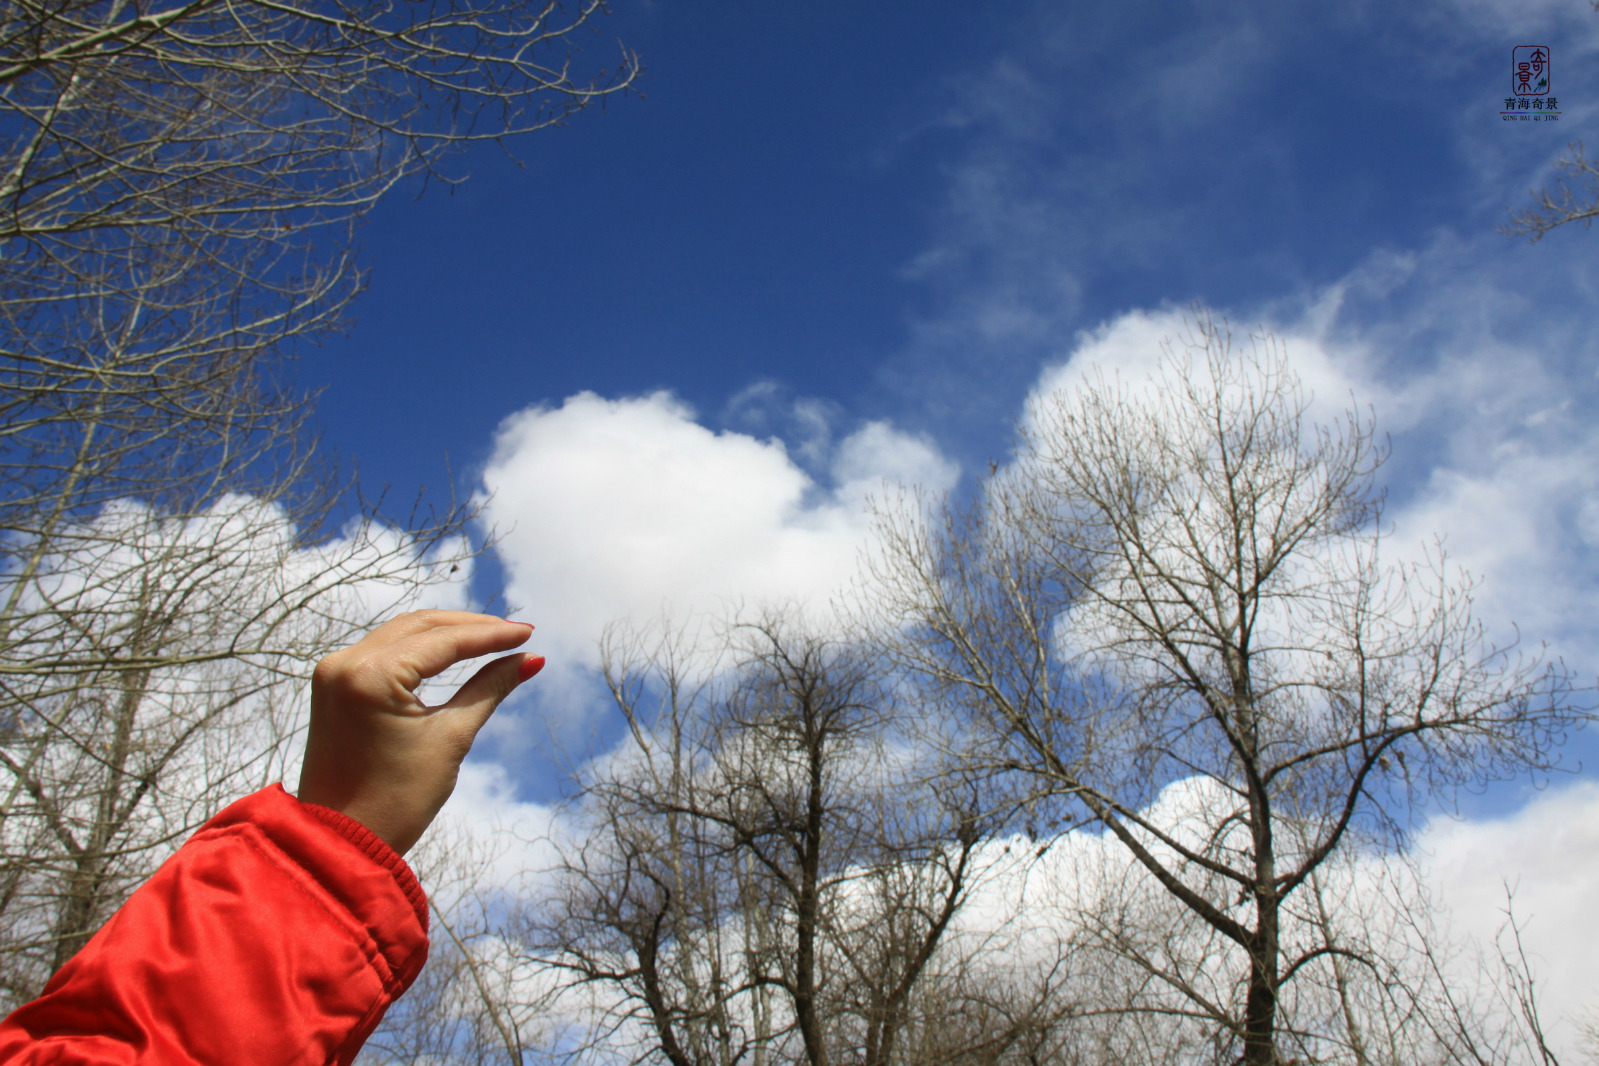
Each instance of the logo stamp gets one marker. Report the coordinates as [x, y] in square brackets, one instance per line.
[1529, 70]
[1529, 84]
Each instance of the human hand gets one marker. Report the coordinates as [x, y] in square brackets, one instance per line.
[374, 751]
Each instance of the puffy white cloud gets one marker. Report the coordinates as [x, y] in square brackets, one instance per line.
[878, 454]
[1491, 449]
[1518, 527]
[624, 508]
[1130, 349]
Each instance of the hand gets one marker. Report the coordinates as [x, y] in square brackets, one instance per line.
[374, 751]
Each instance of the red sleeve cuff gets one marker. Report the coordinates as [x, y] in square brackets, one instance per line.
[375, 848]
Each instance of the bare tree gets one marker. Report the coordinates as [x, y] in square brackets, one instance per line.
[1379, 979]
[1184, 589]
[767, 879]
[161, 585]
[241, 119]
[178, 187]
[183, 645]
[1009, 996]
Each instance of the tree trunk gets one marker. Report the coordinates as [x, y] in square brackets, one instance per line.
[75, 922]
[808, 905]
[1260, 1008]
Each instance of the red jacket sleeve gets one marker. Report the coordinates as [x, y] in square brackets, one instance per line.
[279, 933]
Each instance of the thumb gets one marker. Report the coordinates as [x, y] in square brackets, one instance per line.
[478, 698]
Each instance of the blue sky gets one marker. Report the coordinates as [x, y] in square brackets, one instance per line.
[884, 209]
[818, 218]
[835, 242]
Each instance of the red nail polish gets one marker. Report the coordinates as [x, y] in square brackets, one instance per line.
[529, 668]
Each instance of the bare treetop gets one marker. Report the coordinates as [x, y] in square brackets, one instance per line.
[1191, 582]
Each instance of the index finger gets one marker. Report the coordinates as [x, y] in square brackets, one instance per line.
[432, 651]
[413, 622]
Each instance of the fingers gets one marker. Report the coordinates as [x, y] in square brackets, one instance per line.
[423, 644]
[383, 671]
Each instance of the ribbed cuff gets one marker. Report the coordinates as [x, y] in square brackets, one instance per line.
[378, 850]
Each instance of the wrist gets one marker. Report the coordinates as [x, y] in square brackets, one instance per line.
[355, 813]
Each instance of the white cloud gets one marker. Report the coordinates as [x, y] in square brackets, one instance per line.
[1548, 852]
[622, 508]
[878, 454]
[1517, 526]
[1131, 348]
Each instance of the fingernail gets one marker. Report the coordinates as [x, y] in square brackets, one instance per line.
[514, 622]
[529, 668]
